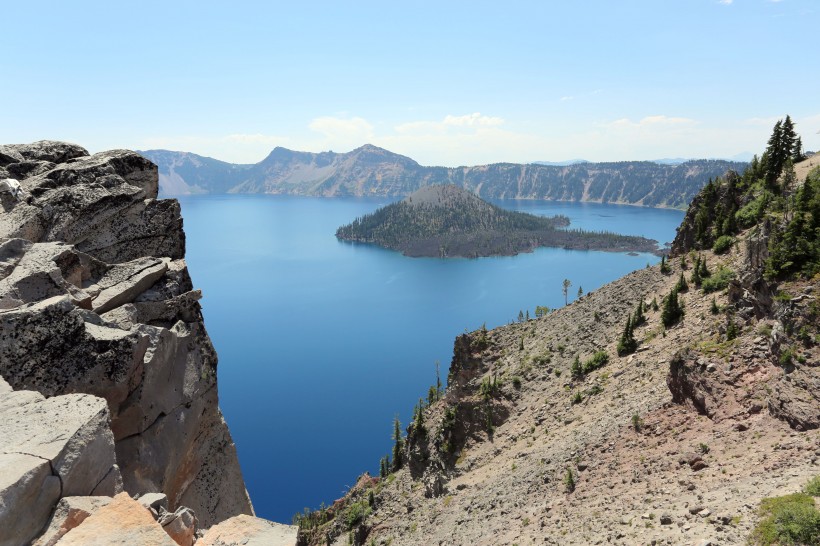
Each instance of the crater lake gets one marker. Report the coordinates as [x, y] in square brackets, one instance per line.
[321, 342]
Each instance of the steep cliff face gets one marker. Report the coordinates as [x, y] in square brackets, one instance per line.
[95, 298]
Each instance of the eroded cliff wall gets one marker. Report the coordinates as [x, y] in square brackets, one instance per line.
[95, 298]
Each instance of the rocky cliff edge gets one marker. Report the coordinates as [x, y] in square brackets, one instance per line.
[108, 374]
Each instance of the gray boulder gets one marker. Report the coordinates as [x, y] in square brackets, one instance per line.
[104, 204]
[49, 448]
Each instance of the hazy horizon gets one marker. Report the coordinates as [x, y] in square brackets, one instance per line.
[453, 84]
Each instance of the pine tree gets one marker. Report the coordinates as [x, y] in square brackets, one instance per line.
[639, 318]
[398, 446]
[569, 480]
[438, 379]
[520, 316]
[704, 271]
[654, 303]
[797, 152]
[565, 289]
[576, 369]
[714, 309]
[672, 311]
[664, 266]
[682, 285]
[788, 138]
[695, 279]
[384, 466]
[731, 327]
[419, 430]
[432, 395]
[773, 156]
[627, 344]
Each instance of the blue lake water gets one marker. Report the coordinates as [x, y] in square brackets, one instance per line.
[322, 342]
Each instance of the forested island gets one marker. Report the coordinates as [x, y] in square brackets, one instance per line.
[448, 221]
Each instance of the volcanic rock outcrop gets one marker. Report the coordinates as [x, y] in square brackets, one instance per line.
[103, 343]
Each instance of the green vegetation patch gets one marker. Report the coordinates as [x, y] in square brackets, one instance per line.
[596, 361]
[719, 280]
[722, 244]
[790, 519]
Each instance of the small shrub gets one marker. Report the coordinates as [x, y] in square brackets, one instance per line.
[717, 281]
[722, 244]
[576, 369]
[516, 382]
[791, 519]
[577, 398]
[787, 357]
[637, 422]
[593, 390]
[782, 296]
[542, 359]
[813, 487]
[598, 359]
[356, 513]
[703, 448]
[488, 387]
[569, 481]
[731, 329]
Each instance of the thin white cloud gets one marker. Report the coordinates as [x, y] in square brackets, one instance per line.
[764, 121]
[592, 93]
[471, 120]
[651, 121]
[725, 2]
[257, 138]
[450, 122]
[343, 129]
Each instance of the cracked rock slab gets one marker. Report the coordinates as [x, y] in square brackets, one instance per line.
[249, 531]
[124, 282]
[49, 448]
[70, 512]
[121, 521]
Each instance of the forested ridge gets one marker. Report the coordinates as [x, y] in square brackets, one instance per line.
[783, 212]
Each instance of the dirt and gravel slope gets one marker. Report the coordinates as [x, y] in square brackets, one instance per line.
[676, 443]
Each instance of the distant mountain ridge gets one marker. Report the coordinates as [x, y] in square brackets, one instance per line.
[373, 171]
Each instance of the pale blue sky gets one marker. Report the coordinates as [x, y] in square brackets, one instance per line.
[447, 83]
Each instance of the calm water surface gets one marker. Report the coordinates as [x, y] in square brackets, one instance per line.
[321, 342]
